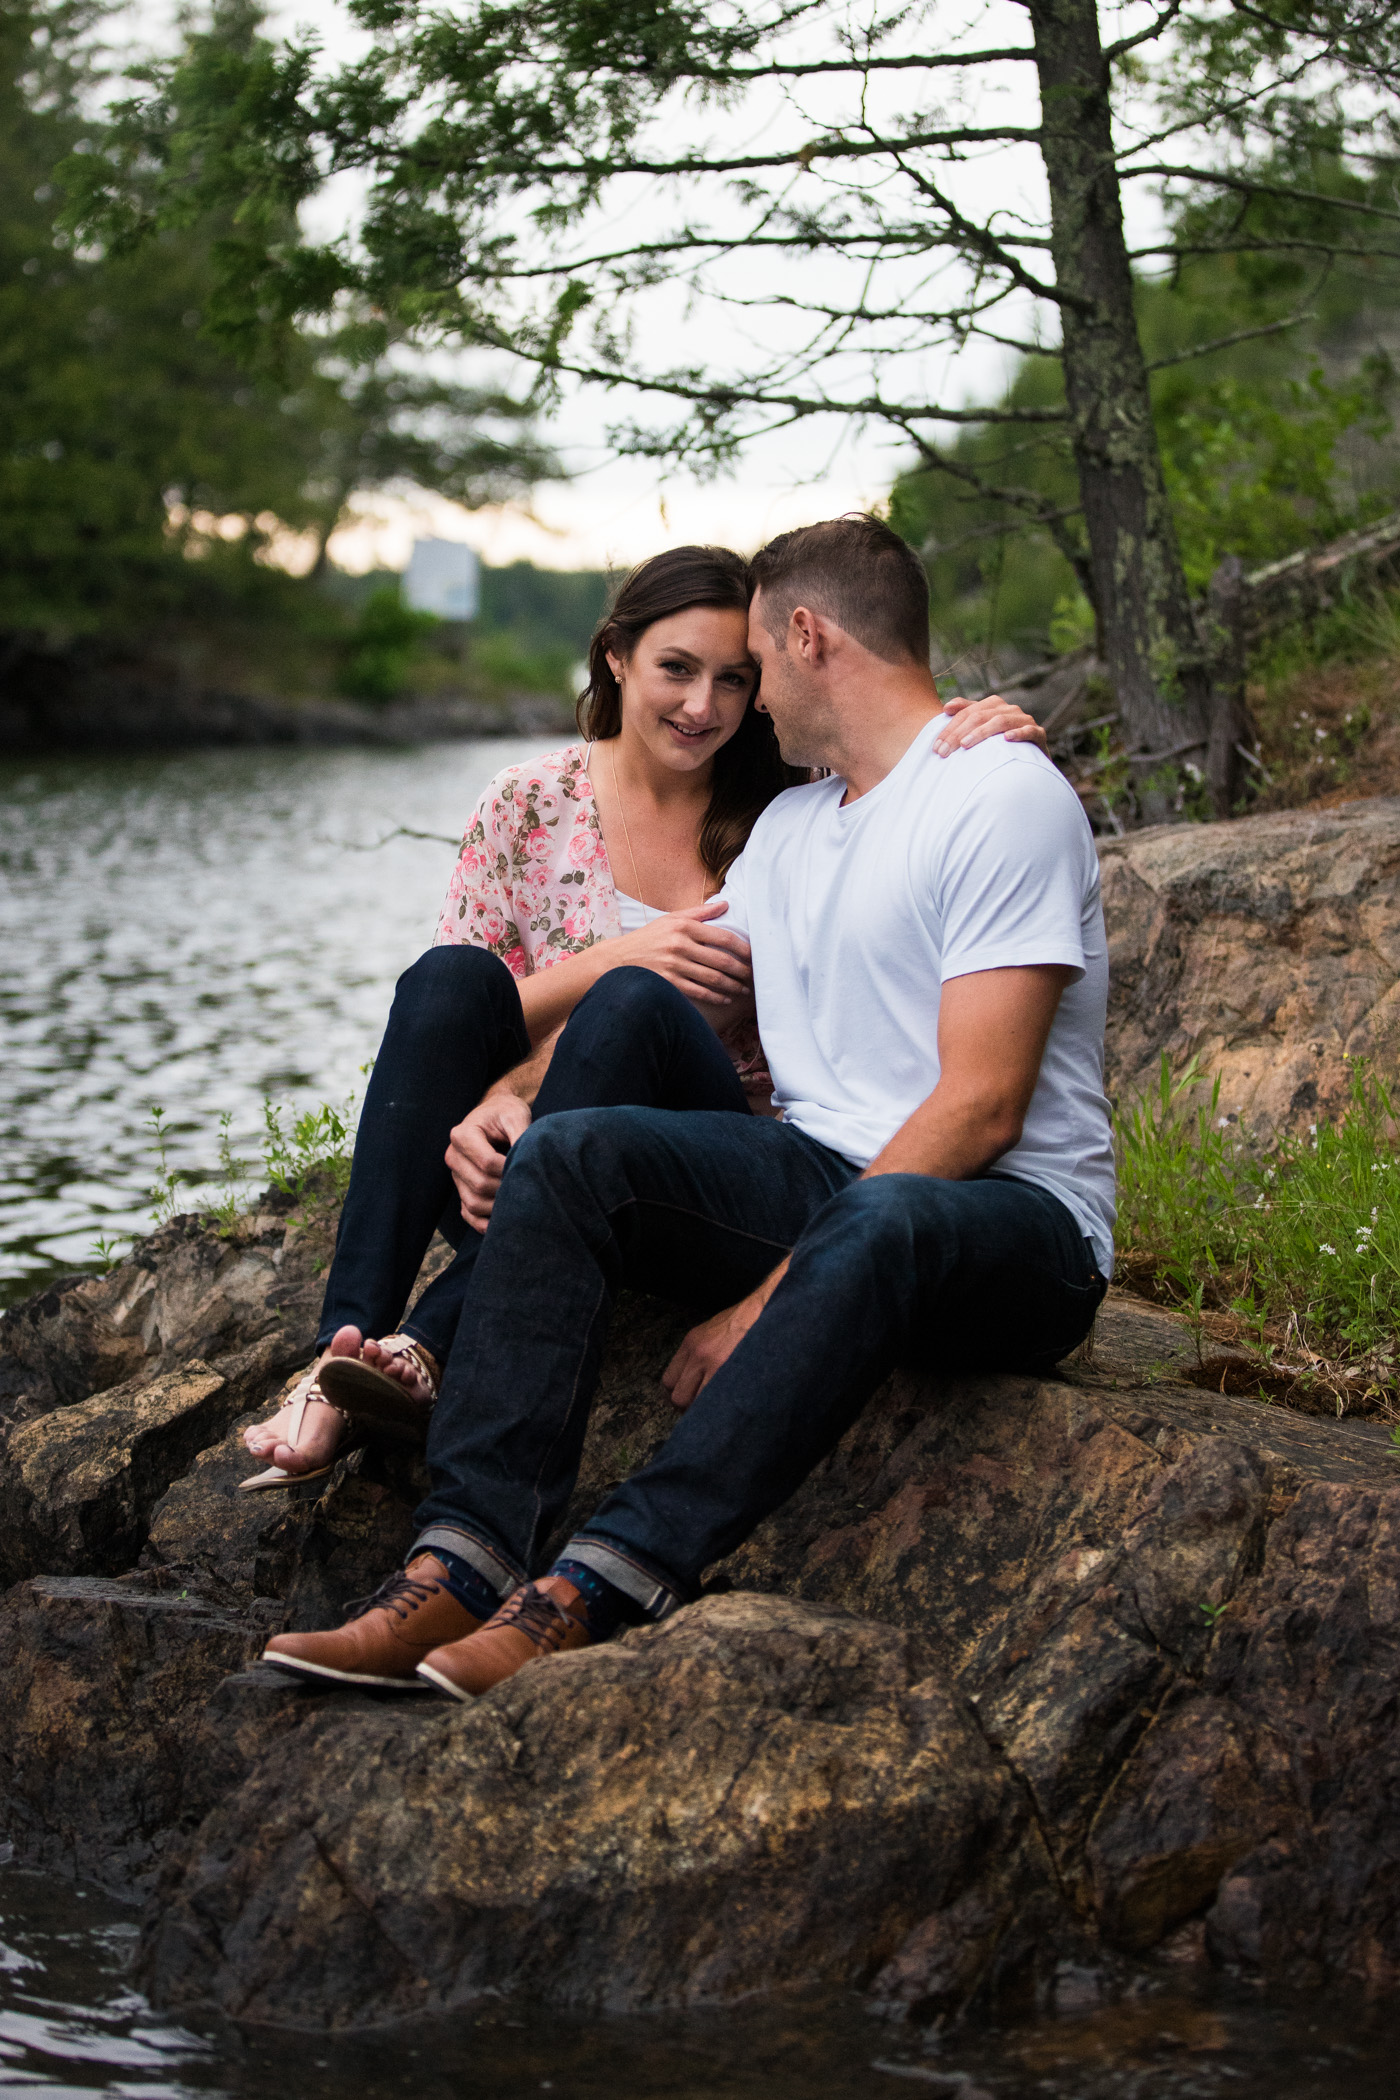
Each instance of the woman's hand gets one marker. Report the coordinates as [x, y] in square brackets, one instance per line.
[709, 965]
[973, 721]
[476, 1152]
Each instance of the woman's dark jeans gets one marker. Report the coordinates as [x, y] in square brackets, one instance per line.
[455, 1027]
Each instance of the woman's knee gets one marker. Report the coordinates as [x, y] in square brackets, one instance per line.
[450, 981]
[633, 994]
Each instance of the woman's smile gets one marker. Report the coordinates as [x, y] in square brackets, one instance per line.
[691, 732]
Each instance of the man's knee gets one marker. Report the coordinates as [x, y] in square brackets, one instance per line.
[893, 1215]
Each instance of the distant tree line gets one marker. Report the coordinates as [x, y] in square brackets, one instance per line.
[151, 473]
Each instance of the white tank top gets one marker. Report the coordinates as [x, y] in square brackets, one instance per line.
[634, 913]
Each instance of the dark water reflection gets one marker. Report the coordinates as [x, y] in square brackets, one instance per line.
[71, 2025]
[197, 931]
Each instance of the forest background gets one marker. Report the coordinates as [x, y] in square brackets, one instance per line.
[172, 475]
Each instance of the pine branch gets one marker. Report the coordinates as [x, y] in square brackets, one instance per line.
[1227, 342]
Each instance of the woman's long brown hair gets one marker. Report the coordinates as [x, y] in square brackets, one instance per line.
[749, 770]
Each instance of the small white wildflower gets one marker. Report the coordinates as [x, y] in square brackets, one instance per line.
[1325, 1249]
[1312, 1130]
[1319, 734]
[1268, 1173]
[1222, 1122]
[1375, 1214]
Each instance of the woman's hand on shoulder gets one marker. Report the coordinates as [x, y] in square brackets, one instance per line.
[702, 959]
[973, 721]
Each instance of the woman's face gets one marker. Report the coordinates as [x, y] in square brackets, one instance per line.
[687, 683]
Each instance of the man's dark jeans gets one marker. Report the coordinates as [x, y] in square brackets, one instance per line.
[455, 1026]
[700, 1207]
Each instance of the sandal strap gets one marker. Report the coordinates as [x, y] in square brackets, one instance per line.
[405, 1345]
[305, 1391]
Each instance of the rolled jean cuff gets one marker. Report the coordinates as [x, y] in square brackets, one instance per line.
[658, 1598]
[502, 1577]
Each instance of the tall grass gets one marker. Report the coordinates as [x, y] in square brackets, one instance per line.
[1302, 1234]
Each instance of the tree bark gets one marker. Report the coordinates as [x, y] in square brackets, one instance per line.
[1231, 729]
[1148, 636]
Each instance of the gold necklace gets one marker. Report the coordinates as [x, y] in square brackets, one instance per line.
[627, 835]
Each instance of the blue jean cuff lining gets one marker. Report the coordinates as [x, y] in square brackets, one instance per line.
[657, 1599]
[488, 1563]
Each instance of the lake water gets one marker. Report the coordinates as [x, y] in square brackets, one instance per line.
[201, 931]
[196, 932]
[71, 2025]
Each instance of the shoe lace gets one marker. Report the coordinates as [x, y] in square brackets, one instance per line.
[536, 1613]
[400, 1594]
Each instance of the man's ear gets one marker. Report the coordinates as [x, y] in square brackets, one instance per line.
[805, 638]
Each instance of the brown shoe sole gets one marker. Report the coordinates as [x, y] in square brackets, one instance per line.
[374, 1402]
[314, 1669]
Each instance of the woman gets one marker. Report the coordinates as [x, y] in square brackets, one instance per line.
[596, 857]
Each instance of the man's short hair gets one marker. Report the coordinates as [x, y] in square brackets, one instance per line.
[856, 571]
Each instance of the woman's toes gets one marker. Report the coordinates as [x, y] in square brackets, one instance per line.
[346, 1341]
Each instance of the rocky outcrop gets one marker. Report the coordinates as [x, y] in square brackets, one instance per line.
[1030, 1670]
[1268, 948]
[788, 1791]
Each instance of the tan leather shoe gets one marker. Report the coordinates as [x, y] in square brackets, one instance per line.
[540, 1619]
[386, 1636]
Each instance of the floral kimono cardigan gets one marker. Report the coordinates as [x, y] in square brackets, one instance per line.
[532, 883]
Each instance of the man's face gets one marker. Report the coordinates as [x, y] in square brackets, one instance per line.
[785, 689]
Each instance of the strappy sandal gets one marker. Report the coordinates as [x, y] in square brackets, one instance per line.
[298, 1400]
[380, 1406]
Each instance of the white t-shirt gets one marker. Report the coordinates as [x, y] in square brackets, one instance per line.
[857, 916]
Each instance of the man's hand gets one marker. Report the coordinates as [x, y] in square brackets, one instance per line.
[714, 1341]
[477, 1148]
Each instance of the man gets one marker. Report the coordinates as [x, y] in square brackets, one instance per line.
[931, 974]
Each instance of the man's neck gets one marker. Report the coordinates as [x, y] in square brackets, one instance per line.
[870, 744]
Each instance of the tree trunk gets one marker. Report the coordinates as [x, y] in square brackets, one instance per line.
[1232, 732]
[1148, 635]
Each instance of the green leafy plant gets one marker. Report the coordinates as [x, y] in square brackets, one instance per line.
[314, 1155]
[163, 1197]
[1302, 1235]
[233, 1177]
[387, 637]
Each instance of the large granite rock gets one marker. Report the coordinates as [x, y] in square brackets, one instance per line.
[788, 1792]
[1028, 1667]
[1270, 948]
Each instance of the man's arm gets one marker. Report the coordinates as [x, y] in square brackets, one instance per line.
[993, 1026]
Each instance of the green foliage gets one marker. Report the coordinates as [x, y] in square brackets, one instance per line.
[510, 661]
[1268, 444]
[314, 1156]
[163, 1198]
[146, 473]
[387, 637]
[1307, 1229]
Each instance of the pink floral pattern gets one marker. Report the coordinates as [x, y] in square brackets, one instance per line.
[533, 883]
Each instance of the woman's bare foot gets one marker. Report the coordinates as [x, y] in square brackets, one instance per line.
[322, 1426]
[400, 1364]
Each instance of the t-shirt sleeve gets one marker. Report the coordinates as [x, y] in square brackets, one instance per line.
[1013, 874]
[735, 895]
